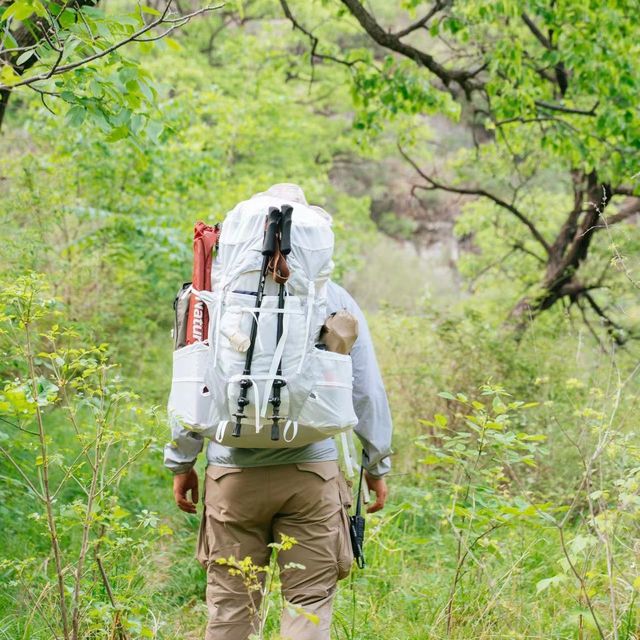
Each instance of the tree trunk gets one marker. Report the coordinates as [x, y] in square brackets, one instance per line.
[566, 254]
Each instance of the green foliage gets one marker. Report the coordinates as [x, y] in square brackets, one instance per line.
[550, 99]
[263, 580]
[506, 519]
[398, 87]
[68, 486]
[74, 55]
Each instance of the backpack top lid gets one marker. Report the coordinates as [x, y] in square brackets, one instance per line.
[312, 240]
[285, 190]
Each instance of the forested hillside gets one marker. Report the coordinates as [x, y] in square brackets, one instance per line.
[481, 161]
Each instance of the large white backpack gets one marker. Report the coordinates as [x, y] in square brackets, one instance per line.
[316, 396]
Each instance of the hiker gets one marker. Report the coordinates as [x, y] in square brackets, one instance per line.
[252, 495]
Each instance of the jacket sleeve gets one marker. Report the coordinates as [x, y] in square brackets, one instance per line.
[374, 428]
[180, 454]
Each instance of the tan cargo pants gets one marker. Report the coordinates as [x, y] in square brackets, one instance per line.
[247, 508]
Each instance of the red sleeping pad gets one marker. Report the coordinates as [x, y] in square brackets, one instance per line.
[205, 240]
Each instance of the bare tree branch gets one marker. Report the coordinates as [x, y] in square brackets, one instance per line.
[623, 190]
[418, 24]
[608, 323]
[544, 41]
[519, 246]
[391, 41]
[592, 331]
[314, 42]
[631, 208]
[562, 77]
[562, 109]
[478, 192]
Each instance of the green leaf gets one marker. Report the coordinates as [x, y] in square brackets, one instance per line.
[131, 20]
[8, 41]
[67, 18]
[146, 90]
[19, 10]
[94, 12]
[118, 133]
[76, 115]
[440, 420]
[8, 76]
[533, 437]
[24, 57]
[154, 130]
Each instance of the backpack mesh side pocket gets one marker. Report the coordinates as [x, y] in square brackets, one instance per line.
[191, 400]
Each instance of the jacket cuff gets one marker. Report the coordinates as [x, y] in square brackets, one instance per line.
[379, 469]
[177, 469]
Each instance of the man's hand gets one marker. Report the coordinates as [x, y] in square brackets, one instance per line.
[379, 487]
[182, 484]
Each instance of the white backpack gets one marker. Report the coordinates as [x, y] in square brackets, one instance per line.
[316, 391]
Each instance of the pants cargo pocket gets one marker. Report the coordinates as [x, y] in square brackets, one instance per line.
[211, 536]
[345, 550]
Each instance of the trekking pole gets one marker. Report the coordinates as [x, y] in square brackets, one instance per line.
[356, 525]
[278, 383]
[268, 249]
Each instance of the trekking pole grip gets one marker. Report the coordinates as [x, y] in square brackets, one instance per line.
[273, 223]
[285, 229]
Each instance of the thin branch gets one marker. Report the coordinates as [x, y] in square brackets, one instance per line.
[562, 109]
[623, 190]
[523, 120]
[391, 41]
[56, 70]
[418, 24]
[521, 247]
[631, 209]
[46, 488]
[314, 42]
[562, 77]
[544, 41]
[592, 331]
[26, 47]
[17, 426]
[171, 29]
[606, 320]
[18, 468]
[478, 192]
[43, 95]
[581, 581]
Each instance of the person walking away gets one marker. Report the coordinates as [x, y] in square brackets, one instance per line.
[252, 495]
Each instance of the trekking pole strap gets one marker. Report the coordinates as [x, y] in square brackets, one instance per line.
[356, 525]
[359, 496]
